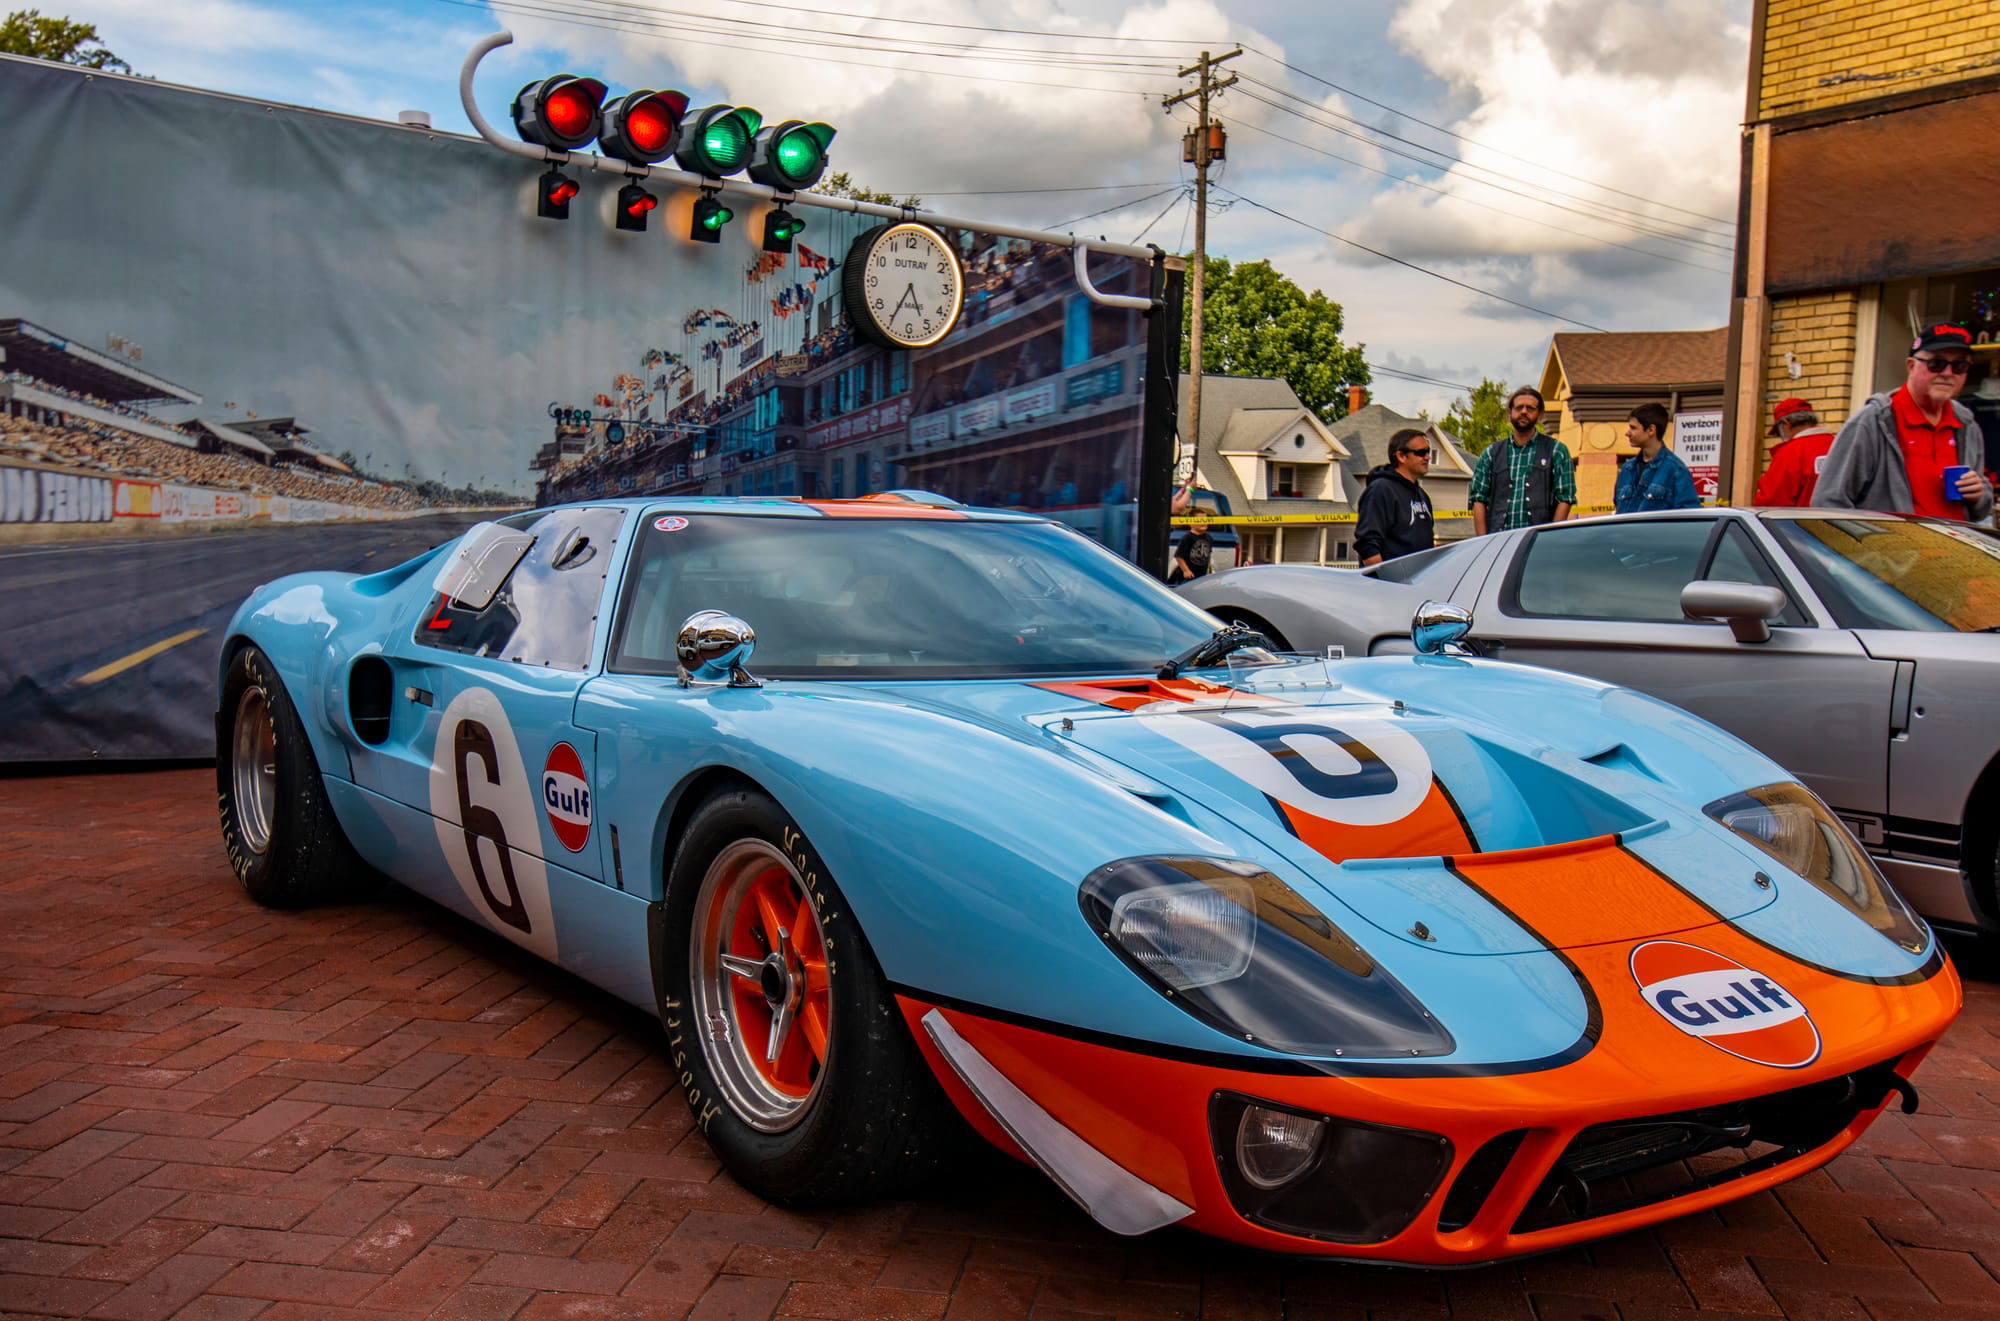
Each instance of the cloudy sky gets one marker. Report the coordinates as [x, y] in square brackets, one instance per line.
[1530, 165]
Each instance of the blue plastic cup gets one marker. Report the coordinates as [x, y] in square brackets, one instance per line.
[1951, 476]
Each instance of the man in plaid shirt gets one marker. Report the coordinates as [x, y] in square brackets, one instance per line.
[1529, 480]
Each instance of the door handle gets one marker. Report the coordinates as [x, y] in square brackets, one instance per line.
[419, 695]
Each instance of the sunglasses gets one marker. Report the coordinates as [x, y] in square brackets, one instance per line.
[1418, 454]
[1947, 366]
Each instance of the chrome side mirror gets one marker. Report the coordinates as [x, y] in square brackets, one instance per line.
[1438, 626]
[1747, 608]
[713, 647]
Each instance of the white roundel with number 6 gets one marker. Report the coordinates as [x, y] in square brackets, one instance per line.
[486, 813]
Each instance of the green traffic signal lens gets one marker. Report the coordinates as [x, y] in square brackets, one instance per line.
[726, 144]
[799, 154]
[717, 218]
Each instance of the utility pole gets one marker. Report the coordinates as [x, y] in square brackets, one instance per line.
[1206, 142]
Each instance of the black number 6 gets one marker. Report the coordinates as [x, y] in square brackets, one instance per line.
[474, 739]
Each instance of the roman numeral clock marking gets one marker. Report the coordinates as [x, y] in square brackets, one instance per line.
[921, 261]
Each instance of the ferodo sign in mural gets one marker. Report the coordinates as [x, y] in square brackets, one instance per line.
[340, 342]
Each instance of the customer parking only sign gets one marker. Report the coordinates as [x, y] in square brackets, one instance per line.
[1697, 438]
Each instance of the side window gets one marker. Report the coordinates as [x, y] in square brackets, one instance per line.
[546, 612]
[1617, 570]
[1737, 560]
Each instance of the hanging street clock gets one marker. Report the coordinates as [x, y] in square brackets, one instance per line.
[902, 285]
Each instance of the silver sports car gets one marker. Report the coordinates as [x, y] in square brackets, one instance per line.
[1856, 649]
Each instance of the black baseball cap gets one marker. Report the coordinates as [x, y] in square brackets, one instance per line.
[1943, 335]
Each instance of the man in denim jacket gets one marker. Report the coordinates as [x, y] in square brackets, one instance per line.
[1656, 478]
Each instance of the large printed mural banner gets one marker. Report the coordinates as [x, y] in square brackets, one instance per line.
[240, 339]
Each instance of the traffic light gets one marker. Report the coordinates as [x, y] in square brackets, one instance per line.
[780, 228]
[633, 204]
[553, 196]
[717, 140]
[561, 112]
[640, 127]
[710, 215]
[791, 155]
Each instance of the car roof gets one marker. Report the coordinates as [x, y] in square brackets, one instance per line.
[887, 504]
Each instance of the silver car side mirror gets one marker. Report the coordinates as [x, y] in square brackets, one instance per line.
[713, 647]
[1438, 626]
[1746, 607]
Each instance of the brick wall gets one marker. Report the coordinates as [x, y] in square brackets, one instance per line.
[1821, 53]
[1819, 332]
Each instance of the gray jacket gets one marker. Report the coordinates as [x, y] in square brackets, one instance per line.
[1864, 469]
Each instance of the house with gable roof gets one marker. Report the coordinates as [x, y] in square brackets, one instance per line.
[1592, 382]
[1266, 453]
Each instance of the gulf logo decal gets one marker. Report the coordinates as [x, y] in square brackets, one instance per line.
[1735, 1009]
[566, 797]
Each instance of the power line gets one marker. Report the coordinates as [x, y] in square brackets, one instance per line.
[1158, 218]
[1016, 192]
[1436, 275]
[1122, 206]
[1404, 114]
[1399, 374]
[1635, 226]
[1446, 192]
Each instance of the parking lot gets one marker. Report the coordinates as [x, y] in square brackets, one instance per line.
[212, 1110]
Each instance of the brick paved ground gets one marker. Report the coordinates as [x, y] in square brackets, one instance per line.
[209, 1110]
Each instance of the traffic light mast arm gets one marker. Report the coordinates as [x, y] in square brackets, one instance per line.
[759, 192]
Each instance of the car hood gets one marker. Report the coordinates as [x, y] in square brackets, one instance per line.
[1425, 824]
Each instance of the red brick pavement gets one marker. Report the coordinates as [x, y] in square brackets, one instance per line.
[208, 1110]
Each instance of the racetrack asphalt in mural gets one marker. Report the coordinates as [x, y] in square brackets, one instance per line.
[100, 630]
[209, 1109]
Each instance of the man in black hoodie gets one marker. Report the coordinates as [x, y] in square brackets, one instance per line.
[1395, 511]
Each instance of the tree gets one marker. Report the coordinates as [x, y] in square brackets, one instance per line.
[26, 32]
[1258, 323]
[1481, 418]
[840, 184]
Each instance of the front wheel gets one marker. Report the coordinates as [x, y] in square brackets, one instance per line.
[797, 1064]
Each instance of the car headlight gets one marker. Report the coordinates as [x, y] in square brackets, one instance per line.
[1790, 823]
[1239, 949]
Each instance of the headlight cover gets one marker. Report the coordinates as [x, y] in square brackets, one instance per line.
[1240, 950]
[1790, 823]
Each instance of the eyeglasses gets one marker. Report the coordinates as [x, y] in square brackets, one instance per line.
[1947, 366]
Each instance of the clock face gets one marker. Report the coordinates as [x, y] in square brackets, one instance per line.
[904, 287]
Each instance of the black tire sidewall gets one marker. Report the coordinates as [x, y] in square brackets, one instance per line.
[799, 1164]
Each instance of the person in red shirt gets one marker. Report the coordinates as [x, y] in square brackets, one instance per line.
[1894, 453]
[1796, 462]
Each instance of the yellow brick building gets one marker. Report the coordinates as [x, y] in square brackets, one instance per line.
[1870, 204]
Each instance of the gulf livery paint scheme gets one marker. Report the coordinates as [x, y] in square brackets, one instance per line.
[1426, 959]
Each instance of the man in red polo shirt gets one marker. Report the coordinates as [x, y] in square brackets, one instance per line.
[1796, 462]
[1893, 454]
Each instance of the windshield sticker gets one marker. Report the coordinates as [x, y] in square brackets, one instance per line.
[671, 523]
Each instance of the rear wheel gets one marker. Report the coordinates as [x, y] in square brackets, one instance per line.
[799, 1068]
[283, 841]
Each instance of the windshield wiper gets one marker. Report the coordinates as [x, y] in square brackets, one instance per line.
[1211, 651]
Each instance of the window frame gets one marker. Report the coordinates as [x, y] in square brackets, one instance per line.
[423, 636]
[1509, 595]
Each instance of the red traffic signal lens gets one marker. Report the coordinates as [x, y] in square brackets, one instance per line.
[569, 110]
[651, 127]
[641, 204]
[563, 191]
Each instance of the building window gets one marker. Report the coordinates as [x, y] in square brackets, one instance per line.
[1284, 480]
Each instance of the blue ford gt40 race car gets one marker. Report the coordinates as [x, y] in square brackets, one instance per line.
[905, 816]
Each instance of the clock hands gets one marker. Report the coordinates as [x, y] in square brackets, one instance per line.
[910, 297]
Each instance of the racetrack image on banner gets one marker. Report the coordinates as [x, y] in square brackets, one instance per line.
[239, 340]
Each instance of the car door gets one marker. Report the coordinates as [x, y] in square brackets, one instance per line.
[1602, 598]
[489, 745]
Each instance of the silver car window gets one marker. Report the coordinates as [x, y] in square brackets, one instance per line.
[1613, 570]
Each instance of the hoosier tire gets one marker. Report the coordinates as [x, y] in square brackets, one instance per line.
[283, 841]
[799, 1069]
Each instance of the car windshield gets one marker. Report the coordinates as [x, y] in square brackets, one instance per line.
[910, 597]
[1898, 572]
